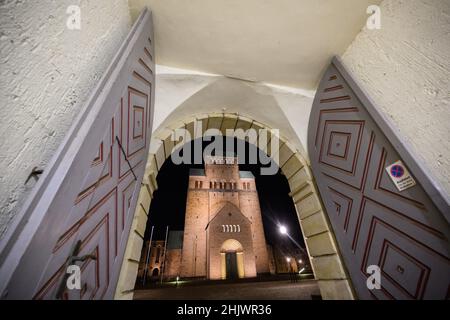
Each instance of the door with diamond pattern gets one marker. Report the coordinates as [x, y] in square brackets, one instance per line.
[89, 192]
[404, 233]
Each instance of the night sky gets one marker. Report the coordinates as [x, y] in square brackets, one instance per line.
[169, 203]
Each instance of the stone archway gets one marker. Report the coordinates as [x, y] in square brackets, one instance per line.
[328, 267]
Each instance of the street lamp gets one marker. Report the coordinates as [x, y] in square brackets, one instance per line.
[283, 230]
[300, 261]
[288, 259]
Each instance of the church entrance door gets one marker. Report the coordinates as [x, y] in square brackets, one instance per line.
[231, 265]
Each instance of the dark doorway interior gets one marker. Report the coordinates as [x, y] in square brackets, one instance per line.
[231, 265]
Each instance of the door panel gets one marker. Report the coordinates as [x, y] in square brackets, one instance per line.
[231, 261]
[404, 233]
[90, 191]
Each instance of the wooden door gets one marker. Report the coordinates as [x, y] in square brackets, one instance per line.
[89, 191]
[404, 233]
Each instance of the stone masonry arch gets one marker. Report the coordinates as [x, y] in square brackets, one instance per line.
[328, 267]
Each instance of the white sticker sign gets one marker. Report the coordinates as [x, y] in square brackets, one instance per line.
[400, 176]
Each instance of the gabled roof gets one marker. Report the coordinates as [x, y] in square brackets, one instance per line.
[227, 203]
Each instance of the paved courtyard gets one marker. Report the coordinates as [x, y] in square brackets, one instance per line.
[271, 290]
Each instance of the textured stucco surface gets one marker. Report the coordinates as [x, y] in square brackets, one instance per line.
[285, 42]
[405, 68]
[46, 74]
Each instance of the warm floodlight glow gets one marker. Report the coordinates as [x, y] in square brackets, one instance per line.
[288, 259]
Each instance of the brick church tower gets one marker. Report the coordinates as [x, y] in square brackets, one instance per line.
[223, 234]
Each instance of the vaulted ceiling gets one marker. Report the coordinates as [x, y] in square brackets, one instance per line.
[284, 42]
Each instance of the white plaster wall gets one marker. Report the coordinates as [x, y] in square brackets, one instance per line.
[405, 68]
[297, 106]
[46, 73]
[286, 42]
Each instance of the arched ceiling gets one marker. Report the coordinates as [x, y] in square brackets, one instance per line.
[283, 42]
[183, 96]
